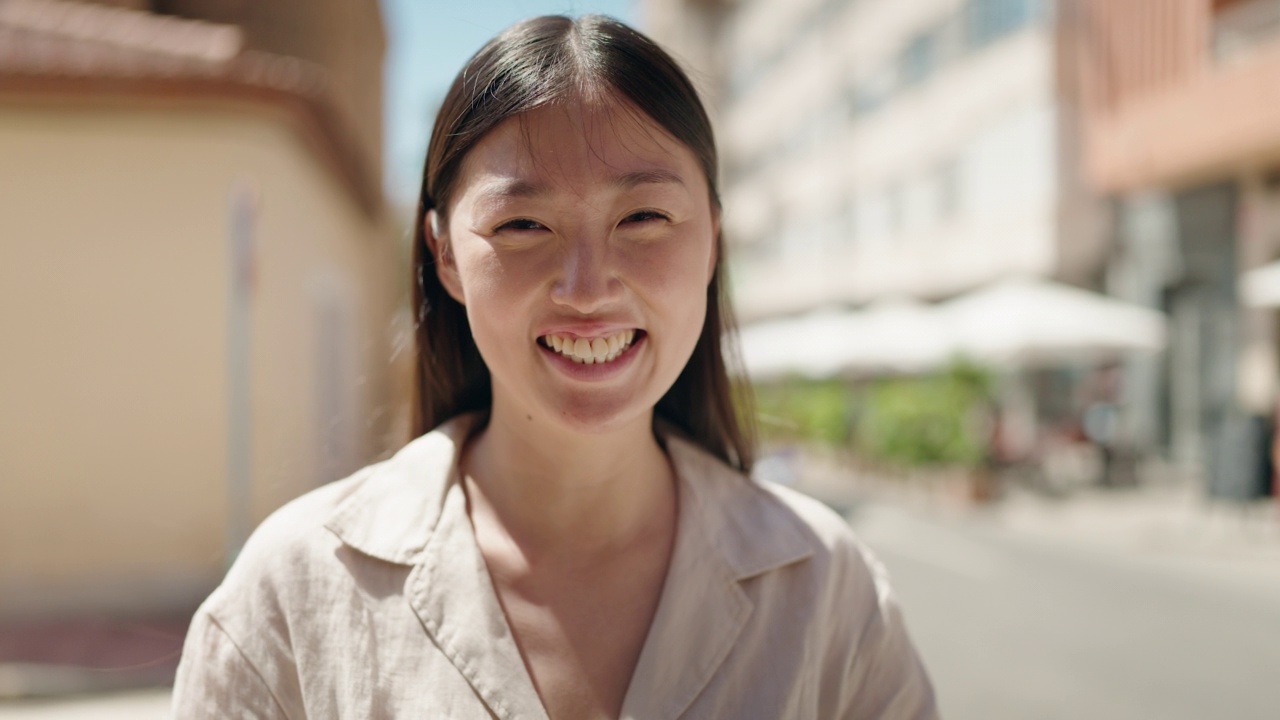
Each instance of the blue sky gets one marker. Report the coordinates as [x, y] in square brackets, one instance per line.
[428, 41]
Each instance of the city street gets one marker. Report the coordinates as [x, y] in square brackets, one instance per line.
[1018, 625]
[998, 281]
[1020, 628]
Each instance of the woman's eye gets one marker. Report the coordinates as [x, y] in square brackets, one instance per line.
[524, 224]
[644, 216]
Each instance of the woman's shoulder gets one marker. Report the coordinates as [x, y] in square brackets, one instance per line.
[371, 510]
[836, 589]
[829, 529]
[845, 563]
[243, 640]
[379, 511]
[763, 514]
[297, 521]
[287, 544]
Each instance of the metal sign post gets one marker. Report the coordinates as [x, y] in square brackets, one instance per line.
[243, 211]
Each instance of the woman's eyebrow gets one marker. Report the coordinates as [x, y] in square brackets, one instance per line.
[502, 189]
[629, 180]
[509, 188]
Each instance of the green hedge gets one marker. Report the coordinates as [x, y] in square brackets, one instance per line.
[905, 422]
[801, 410]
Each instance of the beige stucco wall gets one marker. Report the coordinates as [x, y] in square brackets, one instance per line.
[113, 313]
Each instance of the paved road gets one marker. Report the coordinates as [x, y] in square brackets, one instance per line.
[1021, 628]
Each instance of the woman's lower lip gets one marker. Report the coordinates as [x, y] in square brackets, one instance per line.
[595, 371]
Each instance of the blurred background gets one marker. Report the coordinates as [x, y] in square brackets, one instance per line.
[1006, 270]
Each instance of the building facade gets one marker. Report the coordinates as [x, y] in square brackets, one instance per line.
[875, 148]
[196, 288]
[1183, 133]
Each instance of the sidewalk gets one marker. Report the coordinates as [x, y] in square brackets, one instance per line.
[1176, 520]
[130, 705]
[1170, 518]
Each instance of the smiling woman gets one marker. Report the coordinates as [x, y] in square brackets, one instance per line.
[587, 222]
[573, 535]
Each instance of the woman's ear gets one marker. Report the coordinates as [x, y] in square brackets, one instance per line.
[442, 254]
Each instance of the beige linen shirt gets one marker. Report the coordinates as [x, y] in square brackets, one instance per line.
[369, 598]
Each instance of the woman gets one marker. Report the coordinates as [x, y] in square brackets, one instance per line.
[574, 537]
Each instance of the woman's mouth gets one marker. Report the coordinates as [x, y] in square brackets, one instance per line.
[591, 351]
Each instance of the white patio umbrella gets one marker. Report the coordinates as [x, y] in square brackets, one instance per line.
[799, 345]
[1028, 321]
[893, 335]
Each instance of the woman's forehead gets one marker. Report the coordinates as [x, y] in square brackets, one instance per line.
[595, 141]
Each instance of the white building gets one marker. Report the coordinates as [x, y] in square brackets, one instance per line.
[888, 148]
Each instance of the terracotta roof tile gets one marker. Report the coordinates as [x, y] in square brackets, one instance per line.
[121, 29]
[62, 38]
[61, 44]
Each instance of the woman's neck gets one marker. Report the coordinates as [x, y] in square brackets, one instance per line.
[553, 493]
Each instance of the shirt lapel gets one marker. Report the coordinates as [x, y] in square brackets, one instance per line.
[700, 613]
[411, 510]
[728, 530]
[453, 596]
[391, 512]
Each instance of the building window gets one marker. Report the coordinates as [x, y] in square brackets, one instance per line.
[986, 21]
[895, 207]
[874, 90]
[978, 24]
[918, 59]
[948, 189]
[872, 219]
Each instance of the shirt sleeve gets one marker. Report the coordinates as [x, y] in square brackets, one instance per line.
[887, 678]
[216, 680]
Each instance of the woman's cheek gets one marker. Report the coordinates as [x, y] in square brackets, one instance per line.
[677, 268]
[486, 275]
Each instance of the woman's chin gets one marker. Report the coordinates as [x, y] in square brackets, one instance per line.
[596, 412]
[600, 418]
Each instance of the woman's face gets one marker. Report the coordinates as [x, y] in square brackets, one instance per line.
[582, 241]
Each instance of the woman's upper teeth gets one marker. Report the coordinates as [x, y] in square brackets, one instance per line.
[591, 350]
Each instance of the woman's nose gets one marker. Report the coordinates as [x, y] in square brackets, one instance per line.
[587, 281]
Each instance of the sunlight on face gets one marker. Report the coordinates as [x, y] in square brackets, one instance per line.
[583, 242]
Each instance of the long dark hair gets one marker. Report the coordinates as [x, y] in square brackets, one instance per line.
[535, 63]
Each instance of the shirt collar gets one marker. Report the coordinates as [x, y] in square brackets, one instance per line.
[394, 510]
[728, 529]
[747, 524]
